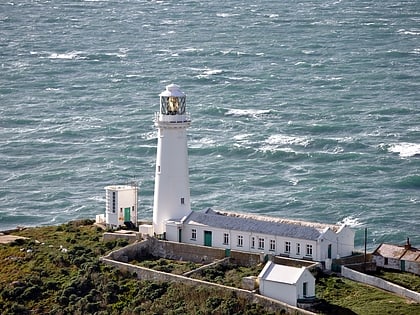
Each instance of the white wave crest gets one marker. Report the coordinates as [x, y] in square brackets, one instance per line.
[288, 140]
[247, 112]
[405, 149]
[209, 72]
[350, 221]
[67, 56]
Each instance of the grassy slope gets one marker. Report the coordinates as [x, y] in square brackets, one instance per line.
[52, 280]
[49, 280]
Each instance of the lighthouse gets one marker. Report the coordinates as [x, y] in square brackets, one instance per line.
[172, 189]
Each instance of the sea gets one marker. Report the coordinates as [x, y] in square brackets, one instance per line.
[306, 110]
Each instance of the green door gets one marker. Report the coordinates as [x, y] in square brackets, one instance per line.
[127, 214]
[402, 265]
[305, 289]
[329, 251]
[207, 238]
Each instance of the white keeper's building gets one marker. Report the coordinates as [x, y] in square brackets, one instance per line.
[174, 220]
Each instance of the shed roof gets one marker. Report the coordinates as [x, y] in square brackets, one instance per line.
[281, 273]
[397, 252]
[259, 224]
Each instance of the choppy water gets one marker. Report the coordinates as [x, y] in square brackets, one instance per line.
[301, 109]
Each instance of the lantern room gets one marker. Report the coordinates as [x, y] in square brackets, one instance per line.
[172, 101]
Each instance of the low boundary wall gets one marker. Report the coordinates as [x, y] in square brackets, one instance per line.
[153, 275]
[379, 283]
[180, 251]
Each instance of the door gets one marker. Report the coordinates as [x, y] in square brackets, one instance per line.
[329, 251]
[402, 265]
[207, 238]
[305, 289]
[179, 235]
[127, 214]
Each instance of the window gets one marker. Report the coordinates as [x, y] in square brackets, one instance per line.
[308, 250]
[158, 168]
[113, 202]
[226, 239]
[297, 249]
[260, 243]
[272, 245]
[182, 201]
[252, 242]
[287, 247]
[240, 241]
[194, 234]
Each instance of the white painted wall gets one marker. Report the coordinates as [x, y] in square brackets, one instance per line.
[125, 197]
[171, 177]
[279, 291]
[218, 241]
[310, 280]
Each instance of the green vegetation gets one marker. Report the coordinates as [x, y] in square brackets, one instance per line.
[57, 271]
[227, 274]
[404, 279]
[166, 265]
[343, 296]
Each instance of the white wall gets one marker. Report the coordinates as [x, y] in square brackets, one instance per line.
[310, 280]
[379, 283]
[345, 241]
[125, 197]
[218, 241]
[279, 291]
[171, 175]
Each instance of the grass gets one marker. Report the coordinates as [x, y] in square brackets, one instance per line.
[166, 265]
[404, 279]
[227, 274]
[349, 297]
[57, 271]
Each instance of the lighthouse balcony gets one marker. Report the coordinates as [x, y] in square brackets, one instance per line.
[172, 119]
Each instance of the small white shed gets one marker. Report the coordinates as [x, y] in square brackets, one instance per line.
[285, 283]
[121, 206]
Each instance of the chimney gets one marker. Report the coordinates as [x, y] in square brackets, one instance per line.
[407, 245]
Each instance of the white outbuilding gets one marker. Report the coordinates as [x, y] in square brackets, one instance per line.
[286, 283]
[121, 206]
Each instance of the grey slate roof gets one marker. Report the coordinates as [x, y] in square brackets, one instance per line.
[258, 224]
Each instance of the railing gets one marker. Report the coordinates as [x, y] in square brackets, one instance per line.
[185, 118]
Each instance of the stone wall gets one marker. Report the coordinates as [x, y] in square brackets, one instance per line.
[180, 251]
[379, 283]
[296, 262]
[153, 275]
[245, 259]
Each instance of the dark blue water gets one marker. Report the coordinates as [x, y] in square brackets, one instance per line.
[306, 110]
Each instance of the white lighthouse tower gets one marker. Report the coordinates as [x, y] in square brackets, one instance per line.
[172, 189]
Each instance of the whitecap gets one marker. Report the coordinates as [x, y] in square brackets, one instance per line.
[405, 149]
[409, 32]
[223, 15]
[66, 56]
[287, 140]
[247, 112]
[209, 72]
[350, 221]
[202, 143]
[243, 136]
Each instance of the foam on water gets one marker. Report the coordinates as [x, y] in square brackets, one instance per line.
[302, 110]
[405, 149]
